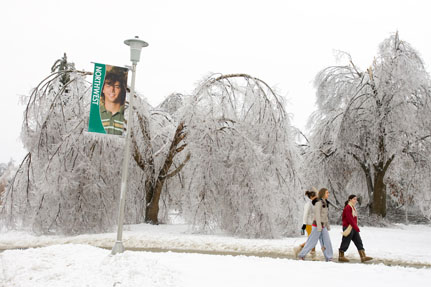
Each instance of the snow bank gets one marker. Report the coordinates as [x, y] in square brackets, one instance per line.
[400, 243]
[73, 265]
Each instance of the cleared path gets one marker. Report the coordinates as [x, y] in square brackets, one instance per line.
[387, 262]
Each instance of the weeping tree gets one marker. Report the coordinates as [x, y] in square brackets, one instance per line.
[53, 189]
[370, 124]
[242, 175]
[69, 182]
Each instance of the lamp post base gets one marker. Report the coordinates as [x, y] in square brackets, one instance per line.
[118, 248]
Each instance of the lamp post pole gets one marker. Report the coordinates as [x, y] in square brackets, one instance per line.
[136, 46]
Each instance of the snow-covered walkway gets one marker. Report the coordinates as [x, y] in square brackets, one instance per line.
[410, 244]
[71, 261]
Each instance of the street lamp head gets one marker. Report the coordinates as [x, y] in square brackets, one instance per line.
[136, 46]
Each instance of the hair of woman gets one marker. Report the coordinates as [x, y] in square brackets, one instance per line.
[322, 192]
[352, 196]
[310, 193]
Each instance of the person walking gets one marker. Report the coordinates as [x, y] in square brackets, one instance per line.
[320, 227]
[351, 231]
[307, 221]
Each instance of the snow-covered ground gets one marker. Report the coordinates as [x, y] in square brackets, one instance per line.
[72, 261]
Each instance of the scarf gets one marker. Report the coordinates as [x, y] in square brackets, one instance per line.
[354, 213]
[349, 228]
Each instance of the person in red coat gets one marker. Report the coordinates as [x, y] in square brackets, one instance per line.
[351, 231]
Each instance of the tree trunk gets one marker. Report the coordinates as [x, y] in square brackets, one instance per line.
[154, 192]
[153, 184]
[152, 203]
[379, 195]
[152, 212]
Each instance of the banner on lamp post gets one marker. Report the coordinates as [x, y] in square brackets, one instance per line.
[108, 98]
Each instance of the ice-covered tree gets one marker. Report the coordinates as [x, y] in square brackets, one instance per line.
[242, 176]
[69, 181]
[372, 124]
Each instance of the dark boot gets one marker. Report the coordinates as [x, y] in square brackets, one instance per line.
[341, 257]
[364, 257]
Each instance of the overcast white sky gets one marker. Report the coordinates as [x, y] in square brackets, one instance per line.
[285, 43]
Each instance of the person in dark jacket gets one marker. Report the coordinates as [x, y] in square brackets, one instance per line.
[351, 231]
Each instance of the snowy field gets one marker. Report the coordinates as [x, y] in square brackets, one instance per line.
[76, 261]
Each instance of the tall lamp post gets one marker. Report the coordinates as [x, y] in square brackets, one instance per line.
[136, 46]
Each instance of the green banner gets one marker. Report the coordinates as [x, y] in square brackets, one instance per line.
[95, 122]
[108, 98]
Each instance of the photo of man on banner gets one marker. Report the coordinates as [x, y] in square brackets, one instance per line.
[108, 100]
[112, 100]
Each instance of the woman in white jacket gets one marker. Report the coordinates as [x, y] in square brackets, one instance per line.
[320, 228]
[307, 221]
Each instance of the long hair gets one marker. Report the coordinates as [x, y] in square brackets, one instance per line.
[352, 196]
[322, 192]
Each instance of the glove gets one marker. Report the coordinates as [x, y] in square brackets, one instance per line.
[303, 229]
